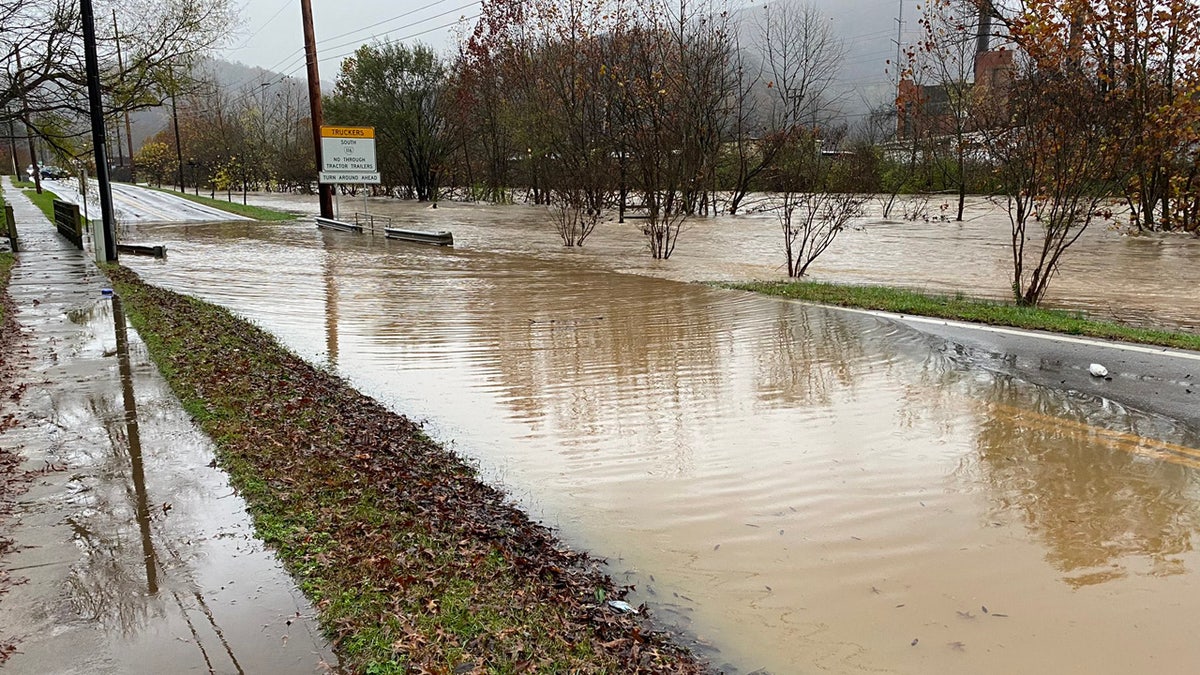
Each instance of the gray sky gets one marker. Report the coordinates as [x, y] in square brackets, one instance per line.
[271, 35]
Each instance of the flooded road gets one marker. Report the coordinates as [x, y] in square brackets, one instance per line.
[804, 489]
[1148, 279]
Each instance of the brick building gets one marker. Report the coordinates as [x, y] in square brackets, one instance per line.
[928, 109]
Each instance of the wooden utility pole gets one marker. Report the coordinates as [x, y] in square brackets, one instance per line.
[175, 122]
[325, 192]
[128, 126]
[12, 148]
[37, 170]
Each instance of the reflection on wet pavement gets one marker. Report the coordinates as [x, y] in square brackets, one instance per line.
[135, 553]
[803, 489]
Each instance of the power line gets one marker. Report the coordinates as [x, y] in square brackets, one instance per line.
[398, 16]
[285, 5]
[410, 36]
[406, 26]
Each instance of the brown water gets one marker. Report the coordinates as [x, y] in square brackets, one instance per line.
[804, 489]
[1148, 279]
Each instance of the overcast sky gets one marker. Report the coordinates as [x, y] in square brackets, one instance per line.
[271, 36]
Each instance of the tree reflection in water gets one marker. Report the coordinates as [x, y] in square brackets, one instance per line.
[1097, 498]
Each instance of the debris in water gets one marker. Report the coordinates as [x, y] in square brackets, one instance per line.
[966, 615]
[622, 606]
[1098, 370]
[914, 642]
[718, 546]
[1003, 616]
[958, 645]
[984, 608]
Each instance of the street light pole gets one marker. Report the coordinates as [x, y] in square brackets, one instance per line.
[109, 237]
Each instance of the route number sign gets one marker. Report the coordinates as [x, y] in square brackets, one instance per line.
[348, 155]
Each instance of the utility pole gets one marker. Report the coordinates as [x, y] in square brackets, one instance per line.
[121, 74]
[899, 41]
[12, 148]
[37, 170]
[178, 145]
[325, 192]
[96, 104]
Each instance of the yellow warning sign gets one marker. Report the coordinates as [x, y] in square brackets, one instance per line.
[347, 132]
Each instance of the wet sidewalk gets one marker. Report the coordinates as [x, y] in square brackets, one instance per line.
[131, 553]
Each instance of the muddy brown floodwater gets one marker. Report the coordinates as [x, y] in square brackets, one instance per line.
[804, 489]
[1142, 279]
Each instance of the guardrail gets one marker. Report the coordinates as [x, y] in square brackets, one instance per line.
[69, 222]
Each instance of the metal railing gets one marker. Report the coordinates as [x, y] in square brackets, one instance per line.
[370, 222]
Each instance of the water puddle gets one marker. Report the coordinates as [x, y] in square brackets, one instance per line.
[144, 559]
[803, 489]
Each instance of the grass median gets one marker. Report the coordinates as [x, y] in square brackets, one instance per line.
[413, 563]
[44, 201]
[961, 308]
[247, 210]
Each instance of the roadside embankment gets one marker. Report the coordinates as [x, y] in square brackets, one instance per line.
[901, 301]
[412, 562]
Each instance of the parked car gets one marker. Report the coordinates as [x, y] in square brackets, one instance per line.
[54, 173]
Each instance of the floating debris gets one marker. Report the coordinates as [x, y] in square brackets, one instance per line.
[622, 606]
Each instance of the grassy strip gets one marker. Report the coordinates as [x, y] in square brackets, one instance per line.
[255, 212]
[44, 201]
[412, 562]
[960, 308]
[7, 260]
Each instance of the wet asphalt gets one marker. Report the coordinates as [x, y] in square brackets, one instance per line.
[1153, 380]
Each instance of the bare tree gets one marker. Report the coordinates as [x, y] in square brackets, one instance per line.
[672, 76]
[155, 35]
[1049, 135]
[946, 56]
[748, 153]
[572, 52]
[810, 216]
[801, 56]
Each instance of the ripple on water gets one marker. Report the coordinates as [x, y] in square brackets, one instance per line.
[821, 486]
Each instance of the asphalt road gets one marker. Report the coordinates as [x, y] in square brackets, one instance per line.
[1153, 380]
[135, 204]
